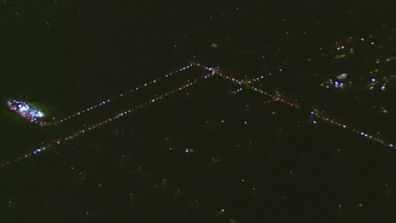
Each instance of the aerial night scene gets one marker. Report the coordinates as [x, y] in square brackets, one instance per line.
[197, 111]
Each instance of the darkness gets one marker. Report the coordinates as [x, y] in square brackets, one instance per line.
[209, 153]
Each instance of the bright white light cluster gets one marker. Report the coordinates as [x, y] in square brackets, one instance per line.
[25, 110]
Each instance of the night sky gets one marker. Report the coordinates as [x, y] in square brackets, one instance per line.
[206, 111]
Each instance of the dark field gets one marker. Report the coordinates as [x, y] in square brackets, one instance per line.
[215, 151]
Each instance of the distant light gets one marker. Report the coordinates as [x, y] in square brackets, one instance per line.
[40, 114]
[342, 76]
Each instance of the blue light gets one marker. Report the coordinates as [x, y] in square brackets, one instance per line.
[25, 110]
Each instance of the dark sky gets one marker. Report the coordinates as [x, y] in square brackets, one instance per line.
[210, 154]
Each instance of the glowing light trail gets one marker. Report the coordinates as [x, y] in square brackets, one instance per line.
[109, 120]
[210, 71]
[34, 115]
[322, 116]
